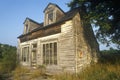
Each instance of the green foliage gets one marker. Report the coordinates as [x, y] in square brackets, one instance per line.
[7, 58]
[111, 51]
[104, 14]
[111, 56]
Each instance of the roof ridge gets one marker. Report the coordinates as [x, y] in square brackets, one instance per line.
[55, 5]
[31, 20]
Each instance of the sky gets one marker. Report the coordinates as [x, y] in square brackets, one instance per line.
[14, 12]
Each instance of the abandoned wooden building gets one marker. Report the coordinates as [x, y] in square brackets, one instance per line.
[61, 42]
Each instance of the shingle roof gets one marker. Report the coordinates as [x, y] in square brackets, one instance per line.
[68, 15]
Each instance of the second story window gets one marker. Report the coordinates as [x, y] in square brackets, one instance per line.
[50, 17]
[26, 28]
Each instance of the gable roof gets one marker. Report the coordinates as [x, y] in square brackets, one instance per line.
[68, 15]
[27, 18]
[54, 5]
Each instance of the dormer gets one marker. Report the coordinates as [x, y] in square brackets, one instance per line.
[29, 25]
[26, 26]
[52, 13]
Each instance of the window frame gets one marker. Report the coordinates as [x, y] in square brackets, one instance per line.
[48, 53]
[26, 28]
[25, 54]
[50, 16]
[34, 51]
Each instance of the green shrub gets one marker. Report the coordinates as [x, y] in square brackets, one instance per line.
[7, 58]
[110, 56]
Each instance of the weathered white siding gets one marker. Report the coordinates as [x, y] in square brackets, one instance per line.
[85, 42]
[66, 47]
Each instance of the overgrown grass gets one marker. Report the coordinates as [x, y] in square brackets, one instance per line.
[37, 73]
[95, 72]
[101, 72]
[20, 72]
[108, 68]
[23, 73]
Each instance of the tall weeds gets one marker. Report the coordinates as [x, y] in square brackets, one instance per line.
[108, 68]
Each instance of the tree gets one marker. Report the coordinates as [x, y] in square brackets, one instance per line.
[104, 14]
[7, 58]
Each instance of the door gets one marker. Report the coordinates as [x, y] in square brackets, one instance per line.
[34, 58]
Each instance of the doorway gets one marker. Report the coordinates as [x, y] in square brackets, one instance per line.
[34, 55]
[34, 59]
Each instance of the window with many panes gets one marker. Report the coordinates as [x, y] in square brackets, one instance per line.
[50, 17]
[34, 51]
[50, 53]
[25, 54]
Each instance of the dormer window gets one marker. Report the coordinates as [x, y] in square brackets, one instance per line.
[52, 14]
[26, 29]
[50, 17]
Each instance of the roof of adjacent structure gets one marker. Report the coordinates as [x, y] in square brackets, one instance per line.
[68, 15]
